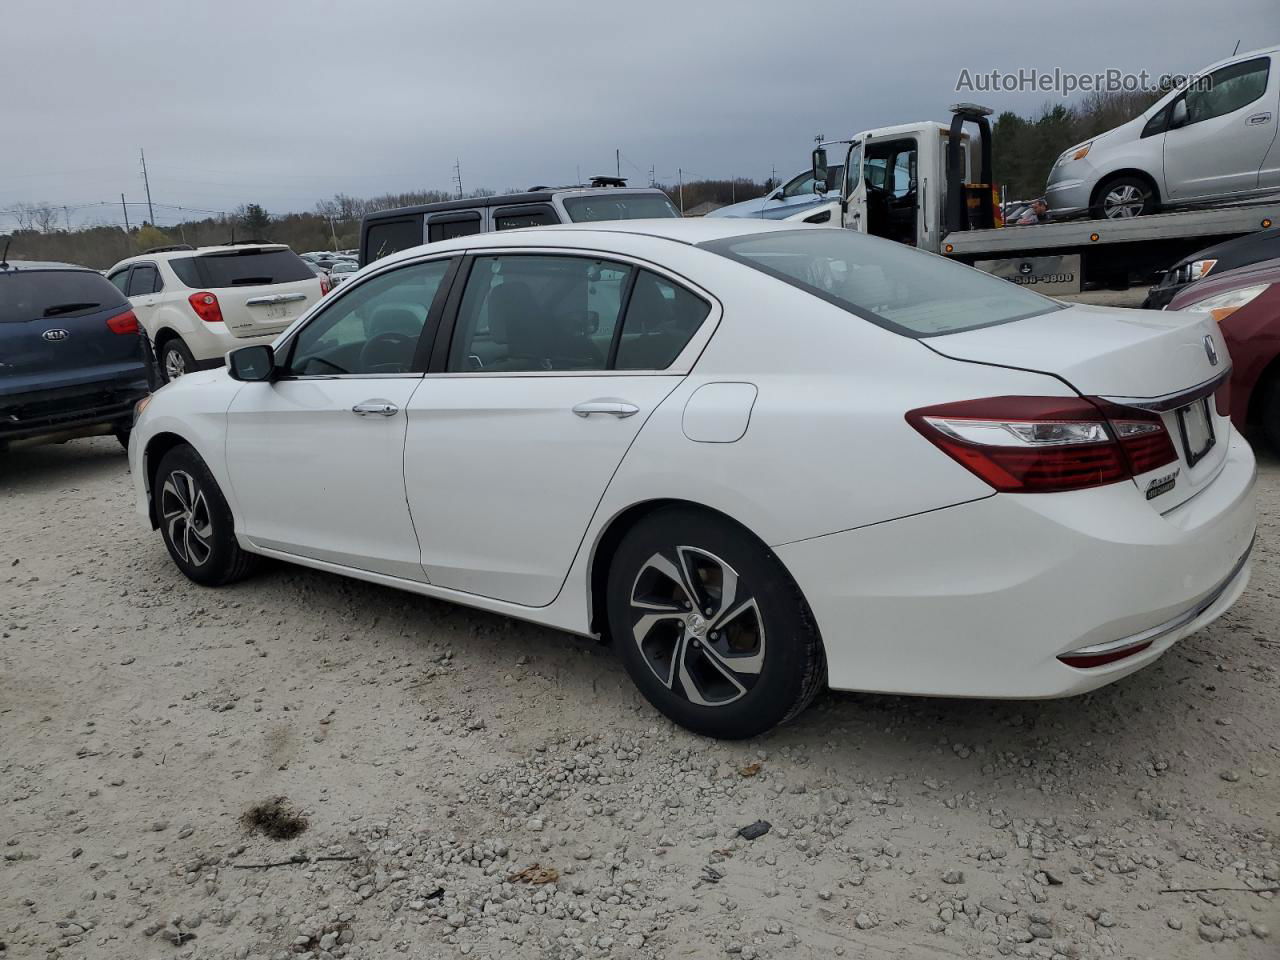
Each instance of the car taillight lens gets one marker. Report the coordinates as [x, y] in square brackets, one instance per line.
[1046, 444]
[206, 306]
[325, 286]
[126, 322]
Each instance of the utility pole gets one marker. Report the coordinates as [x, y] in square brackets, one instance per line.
[125, 207]
[617, 161]
[334, 234]
[147, 183]
[67, 214]
[652, 180]
[457, 175]
[680, 174]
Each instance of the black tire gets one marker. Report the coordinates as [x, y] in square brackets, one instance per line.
[195, 521]
[175, 360]
[752, 667]
[1268, 413]
[1140, 193]
[122, 433]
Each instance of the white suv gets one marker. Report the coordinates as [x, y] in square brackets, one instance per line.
[196, 304]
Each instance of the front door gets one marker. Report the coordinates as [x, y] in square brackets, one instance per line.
[1229, 128]
[554, 365]
[316, 457]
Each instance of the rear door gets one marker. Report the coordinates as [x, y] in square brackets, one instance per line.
[64, 329]
[260, 290]
[555, 362]
[1229, 129]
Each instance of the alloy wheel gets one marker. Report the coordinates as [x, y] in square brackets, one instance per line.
[1123, 201]
[174, 364]
[184, 511]
[697, 626]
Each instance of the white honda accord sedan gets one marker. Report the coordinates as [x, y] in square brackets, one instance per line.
[757, 458]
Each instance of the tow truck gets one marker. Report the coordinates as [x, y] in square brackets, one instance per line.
[930, 185]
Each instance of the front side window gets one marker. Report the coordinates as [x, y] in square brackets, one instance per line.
[374, 328]
[911, 293]
[144, 279]
[798, 186]
[538, 313]
[1228, 89]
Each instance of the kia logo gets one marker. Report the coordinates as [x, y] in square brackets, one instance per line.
[1210, 350]
[55, 335]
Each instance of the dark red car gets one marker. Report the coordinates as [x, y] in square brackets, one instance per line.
[1246, 304]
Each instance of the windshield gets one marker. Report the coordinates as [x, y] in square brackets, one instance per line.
[912, 293]
[619, 206]
[42, 294]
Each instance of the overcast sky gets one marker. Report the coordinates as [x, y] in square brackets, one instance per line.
[285, 102]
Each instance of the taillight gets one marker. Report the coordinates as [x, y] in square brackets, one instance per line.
[325, 286]
[1046, 444]
[205, 305]
[126, 322]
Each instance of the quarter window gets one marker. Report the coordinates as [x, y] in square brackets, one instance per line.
[1228, 89]
[373, 328]
[448, 226]
[144, 279]
[512, 218]
[661, 319]
[526, 313]
[120, 278]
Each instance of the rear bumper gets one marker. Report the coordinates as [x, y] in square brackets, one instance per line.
[982, 598]
[48, 412]
[210, 342]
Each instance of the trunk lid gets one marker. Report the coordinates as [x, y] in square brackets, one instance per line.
[1167, 362]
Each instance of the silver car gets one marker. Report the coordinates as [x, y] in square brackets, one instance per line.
[1213, 138]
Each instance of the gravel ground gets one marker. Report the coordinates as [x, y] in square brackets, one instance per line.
[458, 784]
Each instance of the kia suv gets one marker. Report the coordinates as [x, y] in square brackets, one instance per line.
[195, 304]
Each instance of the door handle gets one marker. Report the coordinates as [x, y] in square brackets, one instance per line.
[618, 408]
[380, 408]
[1259, 118]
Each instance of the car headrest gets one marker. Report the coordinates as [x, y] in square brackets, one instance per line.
[395, 320]
[648, 305]
[507, 304]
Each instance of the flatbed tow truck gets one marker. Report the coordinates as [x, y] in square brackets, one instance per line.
[930, 185]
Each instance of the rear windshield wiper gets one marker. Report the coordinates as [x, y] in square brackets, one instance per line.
[251, 281]
[60, 308]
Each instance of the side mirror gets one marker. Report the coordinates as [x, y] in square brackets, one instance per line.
[820, 168]
[1179, 116]
[819, 186]
[252, 364]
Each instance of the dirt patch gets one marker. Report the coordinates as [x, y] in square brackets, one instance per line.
[275, 818]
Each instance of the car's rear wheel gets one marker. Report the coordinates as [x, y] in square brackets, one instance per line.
[1122, 198]
[710, 625]
[196, 522]
[175, 359]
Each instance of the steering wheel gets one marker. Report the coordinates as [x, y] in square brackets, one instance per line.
[396, 347]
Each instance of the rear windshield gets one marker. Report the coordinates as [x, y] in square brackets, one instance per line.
[619, 206]
[243, 268]
[41, 294]
[912, 293]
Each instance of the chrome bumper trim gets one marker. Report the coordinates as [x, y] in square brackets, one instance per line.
[1153, 634]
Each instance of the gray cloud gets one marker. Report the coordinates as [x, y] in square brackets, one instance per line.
[284, 102]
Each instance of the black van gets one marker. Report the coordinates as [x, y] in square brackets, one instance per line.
[389, 231]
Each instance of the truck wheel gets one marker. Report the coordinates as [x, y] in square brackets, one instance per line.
[176, 360]
[1123, 197]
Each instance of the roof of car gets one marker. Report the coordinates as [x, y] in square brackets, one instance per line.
[691, 231]
[14, 265]
[198, 251]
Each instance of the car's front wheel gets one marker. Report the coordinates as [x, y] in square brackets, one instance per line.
[196, 522]
[710, 625]
[176, 360]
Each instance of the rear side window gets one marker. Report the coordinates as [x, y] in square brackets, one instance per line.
[40, 294]
[619, 206]
[661, 319]
[912, 293]
[450, 225]
[144, 279]
[512, 218]
[243, 268]
[391, 236]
